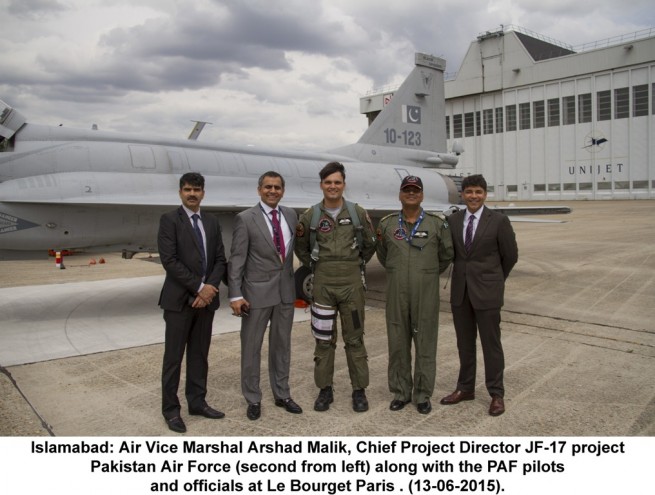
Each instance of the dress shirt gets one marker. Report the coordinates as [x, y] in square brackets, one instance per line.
[190, 213]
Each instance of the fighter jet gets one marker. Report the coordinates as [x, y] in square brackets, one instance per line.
[64, 188]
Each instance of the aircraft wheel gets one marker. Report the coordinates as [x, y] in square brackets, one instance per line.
[303, 278]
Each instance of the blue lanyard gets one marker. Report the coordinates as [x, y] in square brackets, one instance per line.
[414, 230]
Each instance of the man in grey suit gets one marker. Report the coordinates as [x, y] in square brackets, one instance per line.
[261, 289]
[191, 251]
[485, 253]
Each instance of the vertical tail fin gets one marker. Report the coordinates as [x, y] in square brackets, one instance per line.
[411, 127]
[415, 115]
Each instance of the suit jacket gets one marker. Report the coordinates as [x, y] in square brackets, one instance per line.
[255, 271]
[483, 271]
[180, 255]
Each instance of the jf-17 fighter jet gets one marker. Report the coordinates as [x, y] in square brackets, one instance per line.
[63, 188]
[68, 189]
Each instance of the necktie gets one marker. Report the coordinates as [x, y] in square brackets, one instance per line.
[278, 237]
[468, 240]
[196, 228]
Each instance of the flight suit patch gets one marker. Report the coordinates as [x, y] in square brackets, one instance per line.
[300, 230]
[324, 225]
[400, 234]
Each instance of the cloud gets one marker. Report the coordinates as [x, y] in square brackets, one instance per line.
[34, 9]
[282, 72]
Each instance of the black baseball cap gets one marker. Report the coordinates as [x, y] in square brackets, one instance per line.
[411, 180]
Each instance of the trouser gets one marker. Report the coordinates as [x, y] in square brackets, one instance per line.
[468, 321]
[190, 330]
[253, 328]
[344, 291]
[401, 332]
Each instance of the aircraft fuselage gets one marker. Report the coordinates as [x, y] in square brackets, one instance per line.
[64, 188]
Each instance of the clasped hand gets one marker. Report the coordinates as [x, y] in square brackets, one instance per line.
[205, 296]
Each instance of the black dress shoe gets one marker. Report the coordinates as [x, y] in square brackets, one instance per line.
[289, 405]
[424, 407]
[397, 405]
[207, 412]
[254, 411]
[176, 424]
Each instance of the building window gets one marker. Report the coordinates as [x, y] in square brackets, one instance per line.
[457, 126]
[622, 184]
[447, 126]
[488, 121]
[510, 116]
[568, 110]
[640, 100]
[539, 114]
[585, 186]
[499, 117]
[477, 124]
[524, 116]
[554, 187]
[640, 184]
[604, 105]
[622, 103]
[512, 189]
[469, 125]
[553, 112]
[603, 186]
[539, 188]
[584, 108]
[569, 186]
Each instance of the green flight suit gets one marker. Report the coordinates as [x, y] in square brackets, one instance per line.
[338, 284]
[412, 310]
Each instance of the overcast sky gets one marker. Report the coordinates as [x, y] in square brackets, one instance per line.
[284, 73]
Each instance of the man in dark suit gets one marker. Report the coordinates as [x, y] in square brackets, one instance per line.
[262, 291]
[192, 253]
[485, 253]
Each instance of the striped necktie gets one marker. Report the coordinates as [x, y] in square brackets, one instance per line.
[468, 240]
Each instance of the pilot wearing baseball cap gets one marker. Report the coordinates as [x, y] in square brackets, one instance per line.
[411, 181]
[414, 246]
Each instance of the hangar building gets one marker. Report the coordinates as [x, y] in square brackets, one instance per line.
[542, 120]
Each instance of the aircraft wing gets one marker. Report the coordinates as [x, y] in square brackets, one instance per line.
[531, 210]
[516, 213]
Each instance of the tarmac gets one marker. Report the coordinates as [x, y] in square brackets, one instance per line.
[81, 348]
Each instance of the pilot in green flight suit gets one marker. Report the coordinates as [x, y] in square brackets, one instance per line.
[336, 238]
[415, 247]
